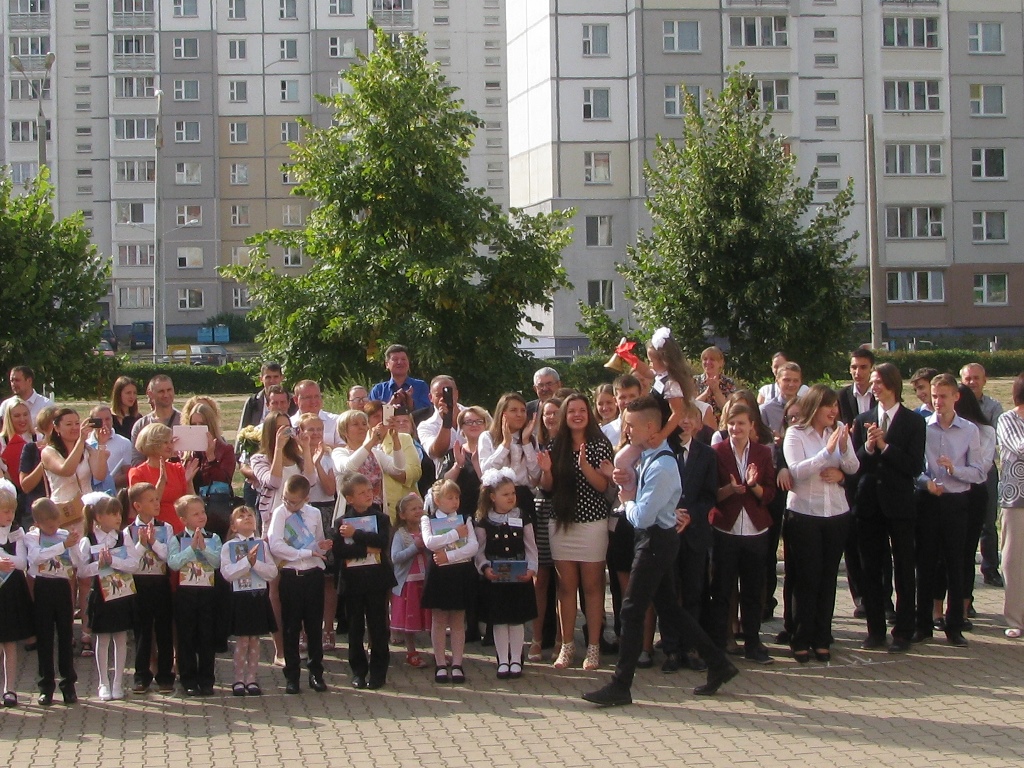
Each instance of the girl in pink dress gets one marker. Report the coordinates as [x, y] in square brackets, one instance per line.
[408, 554]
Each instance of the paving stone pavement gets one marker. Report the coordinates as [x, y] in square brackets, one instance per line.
[937, 706]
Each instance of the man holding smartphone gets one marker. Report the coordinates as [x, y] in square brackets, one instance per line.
[438, 434]
[119, 458]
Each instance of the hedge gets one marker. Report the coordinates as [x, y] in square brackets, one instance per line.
[193, 379]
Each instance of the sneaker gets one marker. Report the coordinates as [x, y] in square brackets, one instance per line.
[103, 693]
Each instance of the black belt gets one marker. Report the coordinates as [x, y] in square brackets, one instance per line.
[307, 572]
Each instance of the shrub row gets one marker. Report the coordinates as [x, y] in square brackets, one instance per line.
[98, 381]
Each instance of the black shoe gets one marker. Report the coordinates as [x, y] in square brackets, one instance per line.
[140, 688]
[192, 690]
[872, 643]
[967, 626]
[70, 697]
[374, 683]
[758, 654]
[503, 671]
[899, 646]
[695, 662]
[165, 687]
[823, 656]
[612, 695]
[253, 689]
[716, 679]
[359, 682]
[783, 637]
[939, 624]
[45, 699]
[206, 690]
[956, 639]
[859, 612]
[515, 670]
[316, 682]
[971, 613]
[920, 636]
[671, 663]
[890, 616]
[607, 646]
[646, 661]
[292, 686]
[994, 579]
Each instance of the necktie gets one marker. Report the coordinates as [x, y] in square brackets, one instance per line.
[885, 422]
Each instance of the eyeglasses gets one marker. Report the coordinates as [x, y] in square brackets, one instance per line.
[790, 418]
[473, 423]
[358, 399]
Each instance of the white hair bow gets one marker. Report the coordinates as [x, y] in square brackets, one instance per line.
[660, 336]
[92, 497]
[493, 477]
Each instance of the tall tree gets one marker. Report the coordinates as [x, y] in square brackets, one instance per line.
[51, 279]
[402, 250]
[734, 251]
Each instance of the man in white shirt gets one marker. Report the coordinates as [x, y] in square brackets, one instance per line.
[309, 399]
[22, 379]
[119, 448]
[438, 434]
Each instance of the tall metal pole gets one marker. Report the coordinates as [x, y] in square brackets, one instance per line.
[876, 277]
[159, 327]
[37, 93]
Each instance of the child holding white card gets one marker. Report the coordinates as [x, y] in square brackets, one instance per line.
[16, 622]
[102, 554]
[246, 563]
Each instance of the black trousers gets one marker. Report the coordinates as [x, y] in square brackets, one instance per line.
[54, 613]
[941, 532]
[771, 561]
[884, 539]
[154, 620]
[194, 618]
[302, 608]
[989, 535]
[741, 556]
[368, 613]
[653, 579]
[692, 570]
[817, 545]
[977, 509]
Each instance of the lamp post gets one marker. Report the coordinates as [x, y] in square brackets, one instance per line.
[37, 94]
[159, 318]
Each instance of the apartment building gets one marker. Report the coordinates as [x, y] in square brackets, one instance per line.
[235, 77]
[593, 82]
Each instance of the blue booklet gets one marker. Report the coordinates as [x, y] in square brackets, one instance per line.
[239, 550]
[297, 534]
[113, 583]
[149, 563]
[195, 573]
[508, 571]
[441, 525]
[56, 564]
[367, 523]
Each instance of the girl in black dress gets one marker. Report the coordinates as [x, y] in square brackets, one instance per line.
[16, 617]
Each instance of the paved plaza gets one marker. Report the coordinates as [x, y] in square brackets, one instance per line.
[937, 706]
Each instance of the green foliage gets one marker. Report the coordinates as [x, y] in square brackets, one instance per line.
[401, 249]
[728, 255]
[97, 381]
[597, 325]
[51, 279]
[243, 328]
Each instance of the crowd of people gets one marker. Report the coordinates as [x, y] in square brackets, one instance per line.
[413, 515]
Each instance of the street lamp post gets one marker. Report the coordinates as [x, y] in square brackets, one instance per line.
[159, 318]
[37, 93]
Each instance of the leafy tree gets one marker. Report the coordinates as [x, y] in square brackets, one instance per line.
[734, 251]
[601, 331]
[401, 249]
[51, 279]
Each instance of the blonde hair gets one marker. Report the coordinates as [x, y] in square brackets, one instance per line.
[238, 512]
[8, 500]
[445, 488]
[405, 501]
[44, 511]
[152, 437]
[210, 415]
[184, 502]
[345, 421]
[8, 431]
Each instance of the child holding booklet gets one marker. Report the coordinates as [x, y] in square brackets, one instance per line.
[361, 546]
[246, 563]
[194, 555]
[16, 622]
[154, 617]
[102, 554]
[408, 616]
[451, 580]
[507, 559]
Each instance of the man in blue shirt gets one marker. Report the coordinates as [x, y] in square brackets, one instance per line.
[651, 508]
[401, 388]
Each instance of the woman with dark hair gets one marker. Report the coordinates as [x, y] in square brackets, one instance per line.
[124, 405]
[578, 532]
[1010, 436]
[761, 432]
[818, 453]
[71, 466]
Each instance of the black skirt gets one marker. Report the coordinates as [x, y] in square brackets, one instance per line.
[17, 621]
[251, 615]
[450, 587]
[109, 616]
[514, 603]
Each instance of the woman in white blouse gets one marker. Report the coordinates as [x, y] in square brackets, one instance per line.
[819, 453]
[509, 444]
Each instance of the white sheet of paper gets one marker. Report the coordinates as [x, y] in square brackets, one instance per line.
[191, 438]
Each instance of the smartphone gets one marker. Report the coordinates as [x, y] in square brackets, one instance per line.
[290, 432]
[389, 412]
[448, 397]
[95, 423]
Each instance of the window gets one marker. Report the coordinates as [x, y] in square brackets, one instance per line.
[913, 159]
[239, 215]
[134, 45]
[988, 163]
[291, 215]
[23, 130]
[341, 47]
[143, 87]
[130, 213]
[595, 103]
[190, 257]
[186, 90]
[758, 32]
[238, 133]
[236, 50]
[30, 6]
[985, 37]
[339, 7]
[124, 6]
[681, 37]
[288, 176]
[183, 8]
[911, 95]
[188, 216]
[910, 32]
[190, 298]
[135, 170]
[236, 9]
[289, 90]
[600, 294]
[289, 49]
[239, 255]
[826, 60]
[492, 85]
[240, 298]
[990, 288]
[238, 174]
[674, 99]
[134, 128]
[597, 168]
[988, 226]
[186, 48]
[595, 39]
[826, 123]
[36, 45]
[289, 131]
[914, 286]
[27, 90]
[292, 257]
[188, 173]
[824, 35]
[289, 9]
[987, 101]
[135, 296]
[238, 91]
[186, 131]
[599, 231]
[913, 222]
[135, 254]
[774, 94]
[827, 185]
[827, 159]
[23, 172]
[826, 97]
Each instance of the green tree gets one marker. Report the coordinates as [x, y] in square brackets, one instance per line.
[735, 251]
[51, 279]
[402, 250]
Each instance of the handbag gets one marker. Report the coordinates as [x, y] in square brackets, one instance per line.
[71, 512]
[220, 500]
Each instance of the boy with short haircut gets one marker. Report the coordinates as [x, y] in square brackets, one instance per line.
[362, 549]
[154, 617]
[296, 537]
[49, 549]
[921, 381]
[195, 555]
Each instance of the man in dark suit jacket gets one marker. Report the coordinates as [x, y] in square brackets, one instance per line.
[254, 410]
[889, 441]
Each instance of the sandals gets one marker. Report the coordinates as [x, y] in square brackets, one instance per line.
[536, 652]
[329, 641]
[457, 675]
[441, 675]
[413, 659]
[238, 689]
[593, 659]
[566, 656]
[87, 651]
[253, 689]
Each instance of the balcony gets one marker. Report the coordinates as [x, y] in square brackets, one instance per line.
[28, 22]
[34, 63]
[393, 18]
[134, 20]
[131, 62]
[758, 3]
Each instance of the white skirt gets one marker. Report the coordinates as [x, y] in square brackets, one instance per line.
[579, 542]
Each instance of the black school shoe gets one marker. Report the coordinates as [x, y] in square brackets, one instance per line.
[612, 695]
[375, 683]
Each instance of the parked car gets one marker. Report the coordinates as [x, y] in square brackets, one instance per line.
[104, 348]
[201, 354]
[110, 337]
[142, 335]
